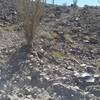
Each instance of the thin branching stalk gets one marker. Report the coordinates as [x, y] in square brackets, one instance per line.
[75, 3]
[53, 2]
[98, 1]
[30, 14]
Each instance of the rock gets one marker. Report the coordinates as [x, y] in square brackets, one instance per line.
[77, 18]
[90, 80]
[83, 65]
[4, 97]
[29, 78]
[35, 78]
[13, 97]
[44, 96]
[97, 78]
[68, 92]
[90, 69]
[93, 41]
[76, 74]
[86, 41]
[27, 99]
[70, 68]
[85, 75]
[52, 16]
[75, 50]
[84, 79]
[94, 90]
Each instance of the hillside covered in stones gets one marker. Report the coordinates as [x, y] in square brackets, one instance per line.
[64, 62]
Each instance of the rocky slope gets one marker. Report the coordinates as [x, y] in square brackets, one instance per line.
[64, 63]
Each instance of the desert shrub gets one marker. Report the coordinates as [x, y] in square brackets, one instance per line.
[53, 2]
[75, 3]
[98, 1]
[29, 13]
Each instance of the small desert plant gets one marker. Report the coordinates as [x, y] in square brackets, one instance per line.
[98, 63]
[29, 13]
[57, 54]
[75, 3]
[98, 1]
[45, 1]
[53, 2]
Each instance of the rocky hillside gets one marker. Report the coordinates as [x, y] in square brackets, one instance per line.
[64, 63]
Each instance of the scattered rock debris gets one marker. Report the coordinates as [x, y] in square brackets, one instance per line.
[64, 61]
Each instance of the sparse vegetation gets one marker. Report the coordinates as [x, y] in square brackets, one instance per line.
[98, 1]
[75, 3]
[68, 37]
[53, 2]
[30, 14]
[98, 63]
[62, 58]
[57, 54]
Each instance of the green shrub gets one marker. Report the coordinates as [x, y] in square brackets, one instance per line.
[98, 63]
[57, 54]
